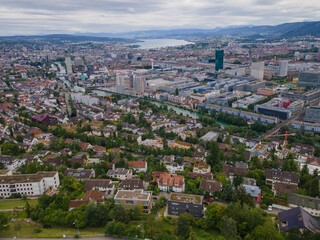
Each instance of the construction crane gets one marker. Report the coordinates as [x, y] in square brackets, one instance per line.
[282, 135]
[290, 74]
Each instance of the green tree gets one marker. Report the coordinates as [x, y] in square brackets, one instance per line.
[19, 138]
[115, 228]
[214, 214]
[257, 174]
[96, 214]
[227, 193]
[228, 227]
[28, 209]
[119, 214]
[184, 222]
[243, 197]
[237, 180]
[267, 231]
[4, 221]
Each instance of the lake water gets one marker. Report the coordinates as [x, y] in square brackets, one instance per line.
[161, 43]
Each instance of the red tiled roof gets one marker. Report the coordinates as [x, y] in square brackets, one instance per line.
[170, 179]
[99, 149]
[137, 164]
[84, 145]
[77, 203]
[94, 195]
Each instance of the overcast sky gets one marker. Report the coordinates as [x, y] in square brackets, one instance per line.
[70, 16]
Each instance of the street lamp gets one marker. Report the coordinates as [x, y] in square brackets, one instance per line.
[77, 225]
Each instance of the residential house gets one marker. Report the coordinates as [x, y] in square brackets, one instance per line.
[210, 136]
[45, 119]
[183, 145]
[180, 203]
[259, 150]
[169, 182]
[80, 173]
[130, 199]
[206, 176]
[254, 191]
[298, 217]
[131, 184]
[102, 185]
[80, 158]
[120, 173]
[138, 166]
[174, 167]
[91, 195]
[202, 168]
[282, 182]
[239, 168]
[99, 149]
[155, 143]
[304, 149]
[211, 186]
[313, 164]
[11, 163]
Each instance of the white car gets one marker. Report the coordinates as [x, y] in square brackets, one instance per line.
[270, 208]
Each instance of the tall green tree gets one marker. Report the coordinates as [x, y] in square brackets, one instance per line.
[4, 221]
[214, 214]
[228, 227]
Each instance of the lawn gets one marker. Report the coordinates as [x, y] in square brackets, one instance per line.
[11, 204]
[28, 231]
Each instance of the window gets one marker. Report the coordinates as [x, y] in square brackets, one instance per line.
[284, 223]
[145, 203]
[117, 201]
[129, 202]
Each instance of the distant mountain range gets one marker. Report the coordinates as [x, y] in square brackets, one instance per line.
[285, 30]
[66, 37]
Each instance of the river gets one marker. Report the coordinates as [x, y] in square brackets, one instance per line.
[178, 110]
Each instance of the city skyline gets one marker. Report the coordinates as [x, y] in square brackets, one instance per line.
[44, 17]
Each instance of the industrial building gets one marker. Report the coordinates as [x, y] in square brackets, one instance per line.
[312, 114]
[239, 113]
[281, 113]
[309, 79]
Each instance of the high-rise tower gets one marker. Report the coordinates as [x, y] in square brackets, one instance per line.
[219, 60]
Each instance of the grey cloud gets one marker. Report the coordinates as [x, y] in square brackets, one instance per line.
[68, 16]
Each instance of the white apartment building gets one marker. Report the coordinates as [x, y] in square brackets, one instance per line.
[28, 184]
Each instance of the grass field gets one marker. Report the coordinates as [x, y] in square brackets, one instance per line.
[10, 204]
[27, 231]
